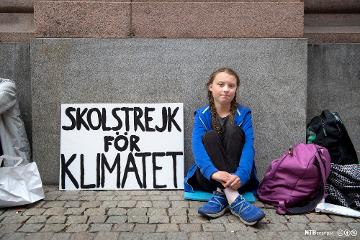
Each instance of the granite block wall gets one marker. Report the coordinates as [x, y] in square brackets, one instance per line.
[334, 84]
[272, 71]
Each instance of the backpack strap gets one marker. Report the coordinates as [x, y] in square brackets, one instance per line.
[310, 206]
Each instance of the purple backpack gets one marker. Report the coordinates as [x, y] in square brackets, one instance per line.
[295, 183]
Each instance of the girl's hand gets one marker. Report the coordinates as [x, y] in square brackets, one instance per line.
[233, 182]
[221, 176]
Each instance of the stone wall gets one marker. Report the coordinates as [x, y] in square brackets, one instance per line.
[272, 71]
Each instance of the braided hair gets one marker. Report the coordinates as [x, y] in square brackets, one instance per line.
[233, 106]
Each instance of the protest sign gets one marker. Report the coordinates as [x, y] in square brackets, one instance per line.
[122, 146]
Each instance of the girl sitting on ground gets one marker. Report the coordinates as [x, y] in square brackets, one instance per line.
[223, 149]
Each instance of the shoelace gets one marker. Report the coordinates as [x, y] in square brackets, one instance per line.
[243, 205]
[215, 199]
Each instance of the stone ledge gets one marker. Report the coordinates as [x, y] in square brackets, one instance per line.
[217, 19]
[332, 6]
[16, 27]
[82, 19]
[169, 19]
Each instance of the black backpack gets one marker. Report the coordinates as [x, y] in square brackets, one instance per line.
[328, 130]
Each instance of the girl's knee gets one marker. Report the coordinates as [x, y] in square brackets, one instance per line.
[210, 137]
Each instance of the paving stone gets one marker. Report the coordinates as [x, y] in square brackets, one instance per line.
[222, 219]
[267, 235]
[198, 219]
[273, 227]
[161, 204]
[130, 235]
[76, 219]
[158, 198]
[51, 196]
[61, 236]
[138, 193]
[56, 219]
[56, 227]
[97, 219]
[109, 204]
[144, 228]
[320, 226]
[88, 193]
[179, 204]
[272, 217]
[293, 235]
[156, 212]
[177, 236]
[117, 211]
[317, 218]
[91, 204]
[192, 211]
[100, 227]
[52, 204]
[13, 236]
[69, 197]
[297, 226]
[105, 193]
[154, 236]
[178, 211]
[297, 218]
[224, 235]
[126, 204]
[55, 211]
[117, 219]
[234, 227]
[179, 219]
[176, 198]
[31, 227]
[248, 235]
[158, 219]
[138, 219]
[104, 198]
[195, 204]
[125, 197]
[193, 227]
[34, 211]
[355, 225]
[213, 227]
[141, 198]
[137, 212]
[72, 204]
[94, 211]
[82, 236]
[36, 219]
[74, 211]
[14, 219]
[143, 204]
[123, 227]
[87, 198]
[42, 236]
[200, 236]
[107, 236]
[167, 228]
[77, 227]
[342, 219]
[9, 227]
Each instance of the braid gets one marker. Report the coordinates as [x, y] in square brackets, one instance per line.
[233, 109]
[214, 123]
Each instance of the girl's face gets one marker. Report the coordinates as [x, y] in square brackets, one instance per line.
[223, 88]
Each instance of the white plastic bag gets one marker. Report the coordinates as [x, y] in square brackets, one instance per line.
[19, 184]
[336, 209]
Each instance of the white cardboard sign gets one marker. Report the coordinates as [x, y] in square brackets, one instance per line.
[122, 146]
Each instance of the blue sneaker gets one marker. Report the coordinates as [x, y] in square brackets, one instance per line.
[248, 213]
[215, 207]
